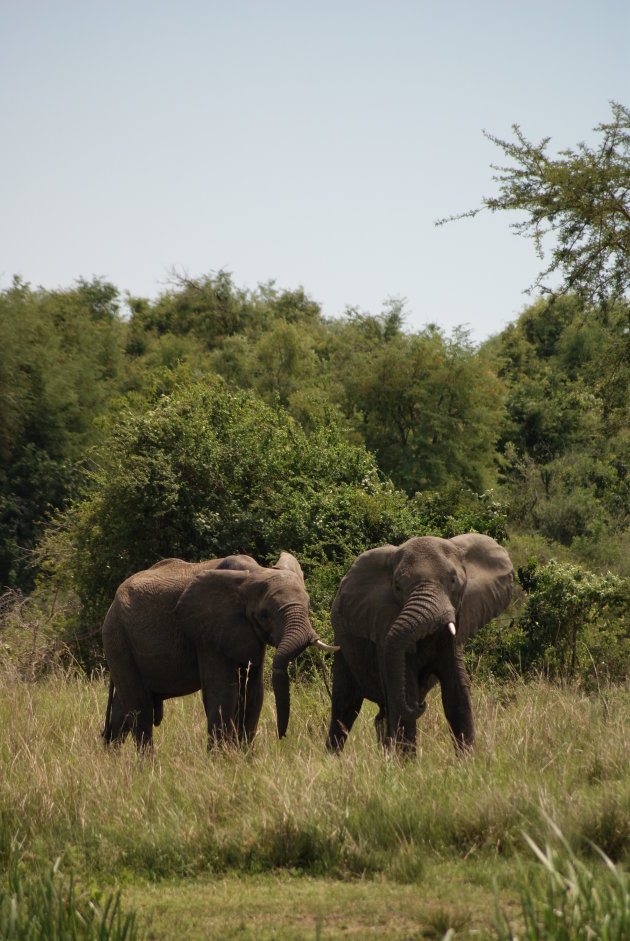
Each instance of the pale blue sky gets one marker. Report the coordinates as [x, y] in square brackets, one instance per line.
[314, 143]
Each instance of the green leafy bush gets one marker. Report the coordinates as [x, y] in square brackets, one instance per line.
[575, 621]
[454, 509]
[60, 364]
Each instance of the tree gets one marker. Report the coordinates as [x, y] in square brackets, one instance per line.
[209, 308]
[60, 364]
[564, 444]
[415, 400]
[283, 361]
[581, 197]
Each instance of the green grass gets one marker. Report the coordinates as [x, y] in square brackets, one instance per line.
[285, 840]
[47, 907]
[571, 900]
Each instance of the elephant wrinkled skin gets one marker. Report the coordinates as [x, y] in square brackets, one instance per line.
[401, 616]
[179, 627]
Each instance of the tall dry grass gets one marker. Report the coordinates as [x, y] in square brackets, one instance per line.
[541, 751]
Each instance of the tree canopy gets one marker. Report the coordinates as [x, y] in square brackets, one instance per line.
[581, 198]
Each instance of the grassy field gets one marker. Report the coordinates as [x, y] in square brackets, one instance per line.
[285, 841]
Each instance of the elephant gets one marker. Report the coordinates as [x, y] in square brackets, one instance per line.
[179, 626]
[401, 616]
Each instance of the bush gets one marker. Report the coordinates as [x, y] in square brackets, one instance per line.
[576, 622]
[457, 510]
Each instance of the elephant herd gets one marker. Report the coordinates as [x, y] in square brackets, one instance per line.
[400, 618]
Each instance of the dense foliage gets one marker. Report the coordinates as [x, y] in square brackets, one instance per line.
[573, 625]
[60, 364]
[565, 441]
[204, 471]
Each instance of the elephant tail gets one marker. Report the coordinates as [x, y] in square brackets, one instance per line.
[107, 731]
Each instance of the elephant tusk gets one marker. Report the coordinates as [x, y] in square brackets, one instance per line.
[451, 627]
[322, 646]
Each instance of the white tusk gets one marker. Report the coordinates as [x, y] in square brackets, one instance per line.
[322, 646]
[451, 628]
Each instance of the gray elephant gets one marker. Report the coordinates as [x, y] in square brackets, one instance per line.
[178, 627]
[401, 616]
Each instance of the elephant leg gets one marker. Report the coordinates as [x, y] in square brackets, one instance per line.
[457, 701]
[380, 727]
[117, 728]
[347, 700]
[219, 689]
[403, 736]
[158, 709]
[132, 709]
[142, 724]
[250, 699]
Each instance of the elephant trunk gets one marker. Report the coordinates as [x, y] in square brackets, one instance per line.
[296, 634]
[425, 611]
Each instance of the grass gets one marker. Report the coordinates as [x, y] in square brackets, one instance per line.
[571, 901]
[414, 847]
[46, 907]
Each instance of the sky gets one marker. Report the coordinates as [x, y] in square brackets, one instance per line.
[314, 144]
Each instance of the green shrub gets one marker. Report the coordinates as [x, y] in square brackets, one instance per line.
[575, 622]
[497, 649]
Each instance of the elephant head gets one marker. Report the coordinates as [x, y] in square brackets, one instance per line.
[239, 607]
[411, 593]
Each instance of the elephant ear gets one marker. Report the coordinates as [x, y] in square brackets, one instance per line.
[289, 563]
[365, 603]
[212, 612]
[489, 580]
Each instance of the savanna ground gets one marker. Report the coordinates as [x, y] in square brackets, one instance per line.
[285, 841]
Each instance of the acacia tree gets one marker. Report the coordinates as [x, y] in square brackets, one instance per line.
[581, 198]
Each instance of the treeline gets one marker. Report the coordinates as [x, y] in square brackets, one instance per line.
[215, 419]
[68, 357]
[539, 413]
